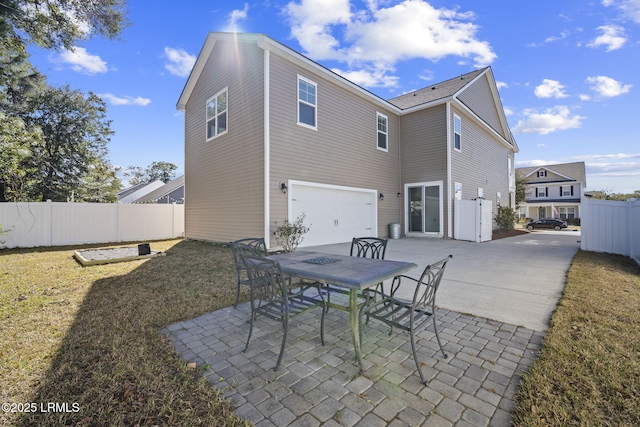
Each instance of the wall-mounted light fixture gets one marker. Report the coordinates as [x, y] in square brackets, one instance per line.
[381, 196]
[399, 194]
[283, 187]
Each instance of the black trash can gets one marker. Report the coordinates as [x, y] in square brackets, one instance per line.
[144, 249]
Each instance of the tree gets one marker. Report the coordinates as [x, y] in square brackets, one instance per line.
[52, 141]
[521, 185]
[75, 133]
[163, 171]
[610, 195]
[15, 143]
[18, 82]
[60, 24]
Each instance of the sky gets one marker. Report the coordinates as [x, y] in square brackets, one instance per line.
[567, 71]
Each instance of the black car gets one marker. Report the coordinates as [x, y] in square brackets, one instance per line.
[556, 224]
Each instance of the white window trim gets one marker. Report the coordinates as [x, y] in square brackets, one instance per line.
[206, 119]
[568, 188]
[298, 101]
[386, 133]
[544, 191]
[458, 149]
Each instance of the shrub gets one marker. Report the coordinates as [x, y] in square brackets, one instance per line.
[505, 218]
[290, 234]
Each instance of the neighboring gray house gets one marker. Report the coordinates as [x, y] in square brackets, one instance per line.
[270, 134]
[171, 192]
[553, 191]
[135, 192]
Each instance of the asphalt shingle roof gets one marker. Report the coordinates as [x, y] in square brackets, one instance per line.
[575, 170]
[434, 92]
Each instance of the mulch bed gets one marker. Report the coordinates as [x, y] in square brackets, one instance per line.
[502, 234]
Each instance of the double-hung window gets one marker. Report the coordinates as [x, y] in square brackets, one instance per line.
[457, 132]
[307, 103]
[541, 192]
[383, 132]
[566, 191]
[217, 114]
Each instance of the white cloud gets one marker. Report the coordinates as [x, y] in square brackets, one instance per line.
[550, 120]
[607, 87]
[550, 89]
[81, 61]
[612, 37]
[607, 156]
[179, 62]
[502, 85]
[630, 8]
[127, 100]
[236, 16]
[368, 78]
[418, 30]
[584, 97]
[563, 35]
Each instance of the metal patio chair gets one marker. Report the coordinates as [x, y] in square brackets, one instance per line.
[253, 246]
[271, 298]
[364, 247]
[409, 316]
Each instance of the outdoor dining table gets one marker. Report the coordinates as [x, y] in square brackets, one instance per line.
[353, 273]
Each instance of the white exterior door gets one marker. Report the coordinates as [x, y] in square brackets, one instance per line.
[334, 214]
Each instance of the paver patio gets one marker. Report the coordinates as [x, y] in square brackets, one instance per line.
[320, 385]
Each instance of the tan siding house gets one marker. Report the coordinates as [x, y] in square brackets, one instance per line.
[270, 134]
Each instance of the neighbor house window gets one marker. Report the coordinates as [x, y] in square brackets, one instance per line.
[542, 174]
[566, 191]
[567, 213]
[521, 212]
[457, 132]
[217, 114]
[383, 131]
[458, 191]
[541, 192]
[307, 102]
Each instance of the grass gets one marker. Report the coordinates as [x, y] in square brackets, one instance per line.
[588, 371]
[89, 336]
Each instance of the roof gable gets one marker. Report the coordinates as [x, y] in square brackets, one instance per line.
[570, 171]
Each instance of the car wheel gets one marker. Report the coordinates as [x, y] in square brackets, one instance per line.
[557, 227]
[529, 227]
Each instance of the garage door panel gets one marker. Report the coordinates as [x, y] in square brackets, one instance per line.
[334, 215]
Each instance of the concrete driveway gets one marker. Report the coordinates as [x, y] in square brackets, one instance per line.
[518, 280]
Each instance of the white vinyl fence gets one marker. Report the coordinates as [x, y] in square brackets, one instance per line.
[57, 223]
[610, 226]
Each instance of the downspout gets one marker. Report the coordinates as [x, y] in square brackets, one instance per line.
[267, 154]
[449, 204]
[403, 219]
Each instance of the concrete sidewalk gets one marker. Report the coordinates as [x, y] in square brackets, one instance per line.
[495, 302]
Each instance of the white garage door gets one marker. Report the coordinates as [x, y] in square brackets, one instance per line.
[334, 214]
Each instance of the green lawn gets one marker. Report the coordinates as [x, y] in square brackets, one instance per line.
[89, 336]
[588, 372]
